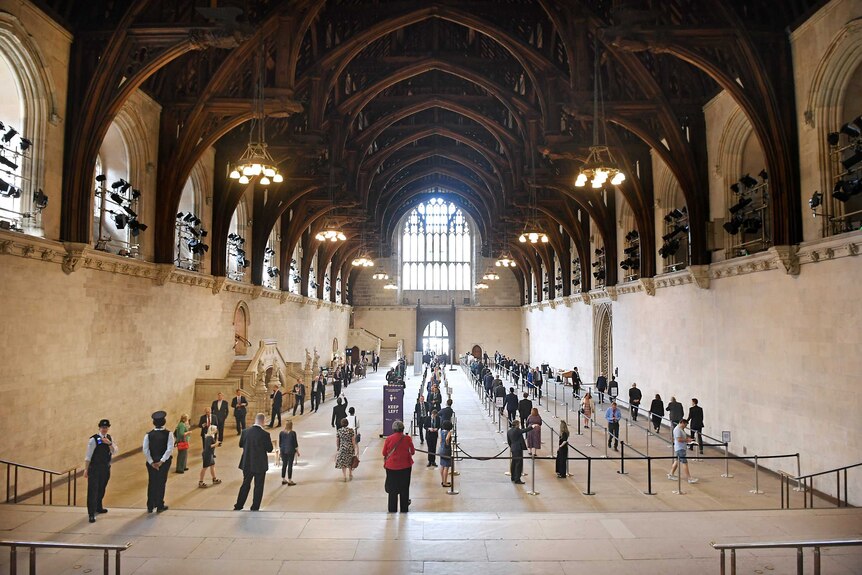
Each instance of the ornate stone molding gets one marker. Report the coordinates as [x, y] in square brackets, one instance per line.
[648, 285]
[788, 258]
[700, 276]
[835, 247]
[218, 284]
[163, 274]
[256, 291]
[73, 258]
[607, 292]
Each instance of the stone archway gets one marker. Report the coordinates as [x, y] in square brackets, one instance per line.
[603, 340]
[240, 329]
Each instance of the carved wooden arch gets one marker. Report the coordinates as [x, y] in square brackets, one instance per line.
[827, 95]
[39, 96]
[337, 60]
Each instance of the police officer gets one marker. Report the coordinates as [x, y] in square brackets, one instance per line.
[97, 468]
[158, 449]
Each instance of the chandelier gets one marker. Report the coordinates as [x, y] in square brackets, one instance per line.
[532, 231]
[490, 275]
[481, 285]
[330, 235]
[533, 236]
[363, 262]
[505, 261]
[390, 285]
[380, 276]
[256, 161]
[600, 165]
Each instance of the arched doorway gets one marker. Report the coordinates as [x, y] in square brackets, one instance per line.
[435, 337]
[603, 338]
[476, 352]
[354, 355]
[240, 329]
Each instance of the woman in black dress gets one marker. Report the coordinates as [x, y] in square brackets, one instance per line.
[563, 450]
[210, 441]
[656, 410]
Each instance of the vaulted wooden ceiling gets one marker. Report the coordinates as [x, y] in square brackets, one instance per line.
[392, 100]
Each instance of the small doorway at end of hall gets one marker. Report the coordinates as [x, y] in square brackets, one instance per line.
[435, 337]
[240, 330]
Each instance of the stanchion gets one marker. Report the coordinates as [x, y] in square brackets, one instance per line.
[607, 437]
[532, 490]
[647, 443]
[589, 476]
[678, 477]
[649, 490]
[627, 429]
[727, 464]
[452, 490]
[622, 470]
[756, 489]
[499, 420]
[590, 444]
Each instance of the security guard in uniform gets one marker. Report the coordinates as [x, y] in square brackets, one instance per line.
[97, 468]
[158, 449]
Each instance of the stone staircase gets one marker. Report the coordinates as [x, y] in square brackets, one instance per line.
[388, 357]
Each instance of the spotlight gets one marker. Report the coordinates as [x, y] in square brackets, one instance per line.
[844, 190]
[752, 225]
[763, 175]
[851, 161]
[747, 181]
[669, 248]
[116, 198]
[740, 205]
[8, 163]
[849, 129]
[816, 200]
[732, 226]
[631, 250]
[117, 184]
[8, 190]
[40, 200]
[136, 194]
[674, 214]
[12, 132]
[180, 215]
[101, 178]
[131, 213]
[677, 230]
[121, 220]
[189, 217]
[25, 144]
[734, 188]
[204, 233]
[599, 275]
[832, 138]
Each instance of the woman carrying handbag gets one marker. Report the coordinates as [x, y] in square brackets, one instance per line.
[398, 453]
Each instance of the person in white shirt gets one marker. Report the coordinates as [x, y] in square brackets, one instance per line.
[158, 449]
[353, 422]
[97, 468]
[680, 442]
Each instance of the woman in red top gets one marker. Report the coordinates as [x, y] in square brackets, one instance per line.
[398, 453]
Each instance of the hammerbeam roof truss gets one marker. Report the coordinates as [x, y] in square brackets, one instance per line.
[482, 99]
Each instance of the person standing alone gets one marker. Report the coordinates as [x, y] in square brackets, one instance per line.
[158, 450]
[635, 397]
[276, 397]
[239, 405]
[97, 468]
[613, 416]
[255, 443]
[220, 410]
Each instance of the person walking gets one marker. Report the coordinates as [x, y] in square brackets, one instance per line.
[181, 435]
[587, 408]
[276, 397]
[220, 409]
[445, 451]
[613, 416]
[525, 407]
[534, 437]
[576, 383]
[345, 449]
[321, 391]
[158, 449]
[398, 451]
[255, 443]
[288, 449]
[240, 405]
[420, 412]
[511, 404]
[210, 444]
[563, 451]
[339, 411]
[674, 411]
[101, 447]
[432, 431]
[680, 440]
[517, 445]
[635, 397]
[315, 395]
[695, 418]
[656, 411]
[601, 386]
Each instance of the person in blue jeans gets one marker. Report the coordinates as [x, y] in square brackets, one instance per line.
[613, 415]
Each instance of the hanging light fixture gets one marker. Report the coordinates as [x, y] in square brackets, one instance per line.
[391, 285]
[380, 276]
[330, 232]
[490, 275]
[255, 161]
[364, 259]
[481, 285]
[505, 261]
[532, 231]
[600, 165]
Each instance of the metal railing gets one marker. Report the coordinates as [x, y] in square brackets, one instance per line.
[33, 545]
[805, 484]
[71, 476]
[798, 545]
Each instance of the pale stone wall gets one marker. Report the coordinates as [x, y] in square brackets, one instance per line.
[560, 336]
[501, 292]
[94, 344]
[369, 291]
[491, 328]
[383, 321]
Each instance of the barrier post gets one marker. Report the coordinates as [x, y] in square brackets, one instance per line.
[756, 489]
[647, 442]
[607, 437]
[678, 477]
[532, 490]
[622, 470]
[627, 429]
[589, 476]
[799, 486]
[590, 444]
[452, 490]
[727, 464]
[649, 477]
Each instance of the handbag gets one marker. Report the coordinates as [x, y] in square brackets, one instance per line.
[358, 437]
[182, 445]
[355, 463]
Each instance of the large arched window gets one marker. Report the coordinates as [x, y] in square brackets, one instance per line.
[435, 338]
[436, 248]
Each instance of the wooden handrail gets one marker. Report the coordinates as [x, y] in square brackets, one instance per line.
[843, 468]
[33, 545]
[798, 545]
[47, 482]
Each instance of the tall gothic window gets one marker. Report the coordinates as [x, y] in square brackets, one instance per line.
[436, 248]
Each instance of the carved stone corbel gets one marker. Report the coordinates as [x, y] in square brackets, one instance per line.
[163, 273]
[699, 275]
[612, 292]
[6, 247]
[648, 285]
[586, 298]
[256, 291]
[218, 284]
[853, 249]
[73, 257]
[789, 258]
[282, 297]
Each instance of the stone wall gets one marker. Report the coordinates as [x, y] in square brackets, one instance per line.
[107, 340]
[491, 328]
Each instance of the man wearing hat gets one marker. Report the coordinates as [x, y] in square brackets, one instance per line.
[97, 468]
[158, 449]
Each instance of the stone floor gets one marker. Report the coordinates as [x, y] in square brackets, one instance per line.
[323, 523]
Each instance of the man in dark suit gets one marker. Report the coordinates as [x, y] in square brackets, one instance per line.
[276, 397]
[299, 398]
[206, 420]
[447, 413]
[432, 432]
[517, 445]
[339, 412]
[255, 443]
[220, 410]
[525, 406]
[511, 403]
[239, 405]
